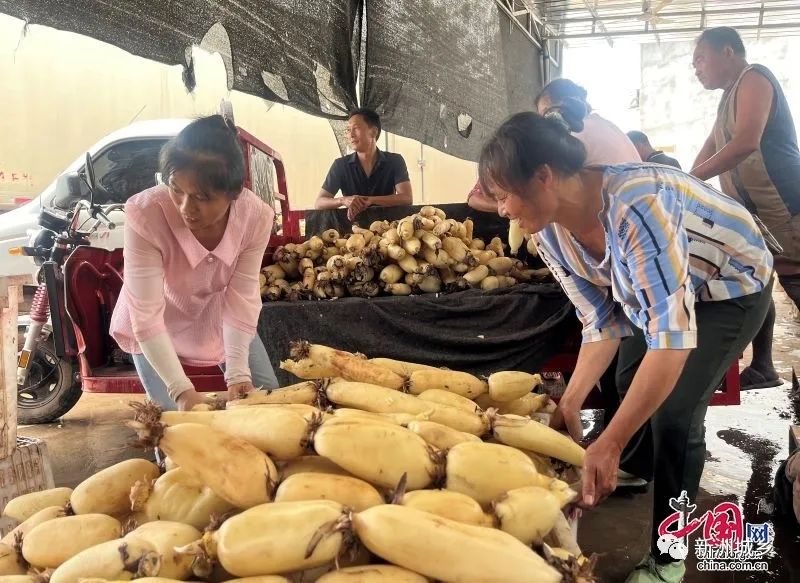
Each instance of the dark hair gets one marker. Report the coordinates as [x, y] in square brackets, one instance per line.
[559, 90]
[208, 147]
[569, 113]
[522, 144]
[638, 137]
[371, 118]
[723, 36]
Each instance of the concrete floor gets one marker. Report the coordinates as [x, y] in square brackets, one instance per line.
[745, 445]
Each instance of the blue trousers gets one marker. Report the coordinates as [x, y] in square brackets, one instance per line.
[260, 371]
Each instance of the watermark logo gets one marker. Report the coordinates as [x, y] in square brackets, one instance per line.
[670, 545]
[724, 541]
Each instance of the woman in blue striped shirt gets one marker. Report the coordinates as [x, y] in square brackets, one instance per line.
[660, 266]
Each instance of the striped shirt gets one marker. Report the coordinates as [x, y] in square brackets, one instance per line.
[671, 240]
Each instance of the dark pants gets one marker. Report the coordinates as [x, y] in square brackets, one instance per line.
[671, 446]
[609, 395]
[791, 285]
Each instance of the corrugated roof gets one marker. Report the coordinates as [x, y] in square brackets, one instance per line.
[580, 21]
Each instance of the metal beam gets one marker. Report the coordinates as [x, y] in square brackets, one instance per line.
[507, 6]
[702, 14]
[534, 14]
[597, 21]
[718, 12]
[687, 30]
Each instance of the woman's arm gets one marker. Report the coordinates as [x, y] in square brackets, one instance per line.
[654, 381]
[160, 353]
[243, 303]
[655, 248]
[144, 285]
[593, 360]
[603, 327]
[479, 201]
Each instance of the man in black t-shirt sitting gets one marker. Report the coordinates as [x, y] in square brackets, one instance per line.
[368, 176]
[650, 154]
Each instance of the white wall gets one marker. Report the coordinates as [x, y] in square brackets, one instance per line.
[61, 92]
[675, 109]
[612, 77]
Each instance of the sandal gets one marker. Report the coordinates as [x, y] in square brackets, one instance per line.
[750, 379]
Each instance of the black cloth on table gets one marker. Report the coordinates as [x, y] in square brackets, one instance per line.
[517, 328]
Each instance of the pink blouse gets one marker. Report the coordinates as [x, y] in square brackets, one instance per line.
[605, 142]
[175, 285]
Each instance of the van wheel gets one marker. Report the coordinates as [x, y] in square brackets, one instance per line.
[53, 387]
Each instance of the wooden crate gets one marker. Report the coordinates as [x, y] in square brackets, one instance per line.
[26, 470]
[9, 300]
[24, 462]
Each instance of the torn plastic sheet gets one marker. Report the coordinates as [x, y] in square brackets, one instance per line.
[423, 65]
[289, 39]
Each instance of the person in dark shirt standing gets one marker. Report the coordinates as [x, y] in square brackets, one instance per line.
[648, 153]
[753, 149]
[368, 176]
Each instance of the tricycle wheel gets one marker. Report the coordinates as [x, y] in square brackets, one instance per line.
[52, 389]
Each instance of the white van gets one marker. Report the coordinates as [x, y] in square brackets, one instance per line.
[125, 163]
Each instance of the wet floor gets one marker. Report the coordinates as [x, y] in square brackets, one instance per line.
[89, 438]
[745, 445]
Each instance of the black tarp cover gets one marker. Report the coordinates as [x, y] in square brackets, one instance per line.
[481, 332]
[431, 61]
[297, 52]
[429, 67]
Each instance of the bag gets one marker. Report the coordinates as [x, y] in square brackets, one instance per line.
[772, 243]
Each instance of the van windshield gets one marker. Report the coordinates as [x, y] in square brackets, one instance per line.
[122, 170]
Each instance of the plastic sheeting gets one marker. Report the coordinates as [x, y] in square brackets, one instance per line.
[475, 331]
[444, 72]
[435, 67]
[297, 52]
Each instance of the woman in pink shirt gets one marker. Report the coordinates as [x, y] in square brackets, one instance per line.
[193, 251]
[605, 143]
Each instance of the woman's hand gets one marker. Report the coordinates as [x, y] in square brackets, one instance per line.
[188, 399]
[569, 416]
[239, 390]
[593, 360]
[599, 471]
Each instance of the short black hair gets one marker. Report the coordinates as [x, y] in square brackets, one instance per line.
[208, 147]
[522, 144]
[638, 137]
[723, 36]
[559, 90]
[371, 118]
